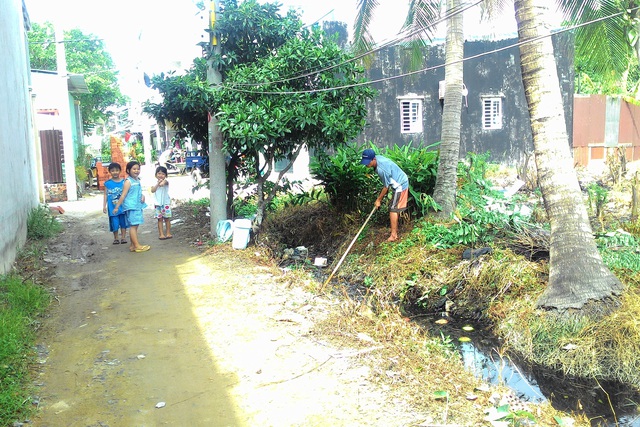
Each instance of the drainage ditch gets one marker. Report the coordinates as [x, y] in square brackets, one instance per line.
[606, 404]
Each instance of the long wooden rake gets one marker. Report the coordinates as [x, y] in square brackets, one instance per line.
[348, 249]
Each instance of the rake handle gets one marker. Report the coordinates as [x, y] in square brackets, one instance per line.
[348, 249]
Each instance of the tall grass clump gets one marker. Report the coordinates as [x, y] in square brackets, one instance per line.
[605, 349]
[41, 224]
[20, 305]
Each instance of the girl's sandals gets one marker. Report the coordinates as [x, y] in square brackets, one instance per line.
[142, 248]
[116, 242]
[123, 241]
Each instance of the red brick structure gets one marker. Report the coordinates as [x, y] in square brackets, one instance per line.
[117, 156]
[54, 193]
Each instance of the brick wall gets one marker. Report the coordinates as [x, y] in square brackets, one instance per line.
[117, 156]
[54, 193]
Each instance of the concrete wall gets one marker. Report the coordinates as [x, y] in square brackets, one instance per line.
[496, 73]
[18, 182]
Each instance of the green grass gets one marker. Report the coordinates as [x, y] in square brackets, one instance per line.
[200, 203]
[20, 305]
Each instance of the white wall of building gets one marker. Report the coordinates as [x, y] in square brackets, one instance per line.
[18, 174]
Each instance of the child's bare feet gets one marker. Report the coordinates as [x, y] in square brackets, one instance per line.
[392, 238]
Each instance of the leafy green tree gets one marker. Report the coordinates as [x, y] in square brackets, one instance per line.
[247, 31]
[42, 47]
[250, 30]
[187, 101]
[273, 120]
[85, 54]
[291, 99]
[338, 30]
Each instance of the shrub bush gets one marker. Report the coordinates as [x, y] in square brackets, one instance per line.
[421, 166]
[348, 185]
[352, 187]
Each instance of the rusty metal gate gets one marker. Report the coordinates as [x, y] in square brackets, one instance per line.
[52, 156]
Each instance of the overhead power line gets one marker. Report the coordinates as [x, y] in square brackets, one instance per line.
[399, 37]
[435, 67]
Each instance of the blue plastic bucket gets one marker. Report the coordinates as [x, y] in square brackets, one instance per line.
[224, 230]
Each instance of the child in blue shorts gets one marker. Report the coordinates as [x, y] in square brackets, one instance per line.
[132, 203]
[112, 192]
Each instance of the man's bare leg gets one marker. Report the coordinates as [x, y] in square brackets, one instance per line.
[393, 217]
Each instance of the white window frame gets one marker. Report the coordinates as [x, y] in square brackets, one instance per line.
[492, 112]
[411, 114]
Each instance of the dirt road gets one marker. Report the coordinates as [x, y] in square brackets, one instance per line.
[180, 337]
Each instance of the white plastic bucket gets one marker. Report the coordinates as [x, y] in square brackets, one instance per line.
[241, 230]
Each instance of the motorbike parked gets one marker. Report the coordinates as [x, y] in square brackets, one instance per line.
[197, 164]
[169, 159]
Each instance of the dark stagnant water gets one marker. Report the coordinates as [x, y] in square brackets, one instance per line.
[606, 404]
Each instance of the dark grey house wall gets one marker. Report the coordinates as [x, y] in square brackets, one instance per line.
[496, 73]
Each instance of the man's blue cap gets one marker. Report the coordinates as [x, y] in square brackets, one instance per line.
[367, 156]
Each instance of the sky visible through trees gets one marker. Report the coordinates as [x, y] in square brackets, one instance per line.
[155, 36]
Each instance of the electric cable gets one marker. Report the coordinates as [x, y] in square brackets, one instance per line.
[399, 37]
[370, 82]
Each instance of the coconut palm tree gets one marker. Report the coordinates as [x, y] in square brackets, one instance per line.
[577, 274]
[419, 24]
[444, 192]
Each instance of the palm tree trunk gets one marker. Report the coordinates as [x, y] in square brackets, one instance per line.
[444, 192]
[577, 274]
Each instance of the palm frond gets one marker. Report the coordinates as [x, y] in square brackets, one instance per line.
[604, 46]
[420, 20]
[493, 8]
[362, 39]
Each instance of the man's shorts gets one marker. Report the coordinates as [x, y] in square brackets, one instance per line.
[117, 222]
[162, 212]
[399, 201]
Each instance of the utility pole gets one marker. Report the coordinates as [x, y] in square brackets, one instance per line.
[64, 112]
[217, 169]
